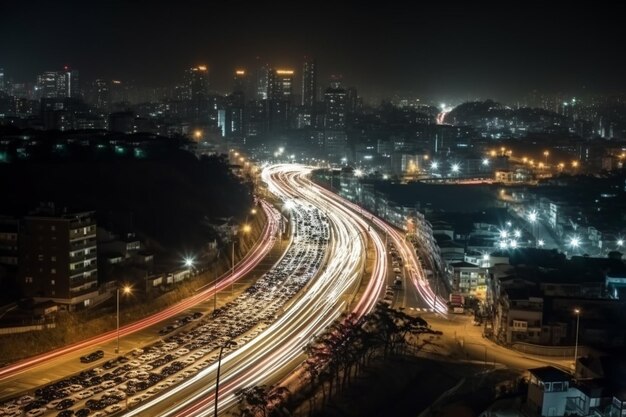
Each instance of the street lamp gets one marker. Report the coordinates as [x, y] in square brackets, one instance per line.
[540, 243]
[532, 218]
[189, 262]
[228, 343]
[574, 242]
[125, 290]
[577, 312]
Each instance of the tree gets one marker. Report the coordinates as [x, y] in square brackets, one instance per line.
[260, 400]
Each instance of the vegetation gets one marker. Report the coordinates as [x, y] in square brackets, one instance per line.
[337, 356]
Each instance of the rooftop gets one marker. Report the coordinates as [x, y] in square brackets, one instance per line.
[550, 374]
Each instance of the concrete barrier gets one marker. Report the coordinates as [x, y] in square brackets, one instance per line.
[553, 351]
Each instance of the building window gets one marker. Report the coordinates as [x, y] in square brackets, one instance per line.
[52, 282]
[53, 228]
[40, 257]
[53, 271]
[28, 280]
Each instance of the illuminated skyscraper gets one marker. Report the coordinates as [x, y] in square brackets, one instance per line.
[242, 83]
[309, 83]
[59, 84]
[335, 100]
[262, 80]
[281, 87]
[197, 92]
[47, 85]
[197, 83]
[70, 85]
[2, 86]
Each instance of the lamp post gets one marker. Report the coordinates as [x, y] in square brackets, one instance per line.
[532, 218]
[574, 243]
[219, 367]
[126, 290]
[577, 312]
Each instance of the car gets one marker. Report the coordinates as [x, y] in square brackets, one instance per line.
[25, 399]
[36, 412]
[84, 394]
[66, 403]
[112, 409]
[94, 356]
[83, 412]
[9, 408]
[107, 384]
[53, 404]
[66, 413]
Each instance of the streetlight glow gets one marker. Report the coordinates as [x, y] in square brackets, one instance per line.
[455, 167]
[188, 264]
[485, 162]
[434, 165]
[358, 173]
[574, 241]
[532, 217]
[540, 243]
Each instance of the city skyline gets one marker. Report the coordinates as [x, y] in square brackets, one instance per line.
[438, 52]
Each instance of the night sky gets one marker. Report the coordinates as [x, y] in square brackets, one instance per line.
[437, 50]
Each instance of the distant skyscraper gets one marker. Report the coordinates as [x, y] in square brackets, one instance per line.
[71, 83]
[2, 86]
[309, 83]
[197, 82]
[335, 100]
[281, 87]
[240, 80]
[102, 94]
[58, 84]
[48, 85]
[262, 78]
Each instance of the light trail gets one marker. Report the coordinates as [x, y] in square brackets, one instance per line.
[279, 348]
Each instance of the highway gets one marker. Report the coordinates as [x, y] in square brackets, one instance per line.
[279, 349]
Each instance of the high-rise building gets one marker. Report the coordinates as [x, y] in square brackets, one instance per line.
[102, 94]
[58, 84]
[335, 100]
[240, 81]
[197, 82]
[281, 86]
[262, 80]
[309, 83]
[69, 83]
[3, 88]
[57, 259]
[48, 85]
